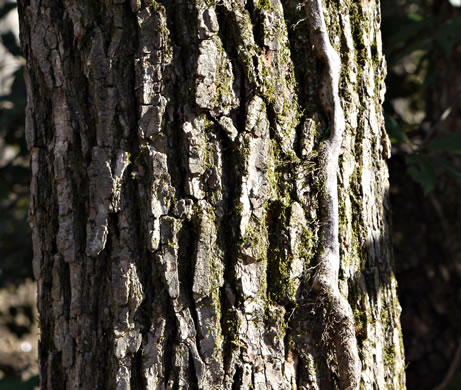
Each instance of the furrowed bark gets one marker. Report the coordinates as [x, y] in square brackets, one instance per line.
[209, 195]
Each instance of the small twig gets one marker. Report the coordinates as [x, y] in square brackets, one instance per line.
[295, 25]
[433, 128]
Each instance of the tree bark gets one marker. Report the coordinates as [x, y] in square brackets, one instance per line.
[209, 195]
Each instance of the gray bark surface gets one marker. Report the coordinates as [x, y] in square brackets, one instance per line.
[209, 195]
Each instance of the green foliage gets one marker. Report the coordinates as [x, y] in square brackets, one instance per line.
[425, 168]
[413, 43]
[415, 33]
[410, 36]
[448, 143]
[395, 130]
[421, 169]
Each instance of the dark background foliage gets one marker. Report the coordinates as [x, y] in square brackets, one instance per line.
[15, 247]
[422, 42]
[18, 329]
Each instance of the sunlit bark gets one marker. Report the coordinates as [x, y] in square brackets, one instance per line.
[184, 195]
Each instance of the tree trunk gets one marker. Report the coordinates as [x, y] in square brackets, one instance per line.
[209, 195]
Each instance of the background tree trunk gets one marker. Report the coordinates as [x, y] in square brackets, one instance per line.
[208, 186]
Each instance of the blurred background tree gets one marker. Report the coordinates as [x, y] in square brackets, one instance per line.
[422, 41]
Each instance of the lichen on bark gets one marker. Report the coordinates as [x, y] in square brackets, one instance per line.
[182, 189]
